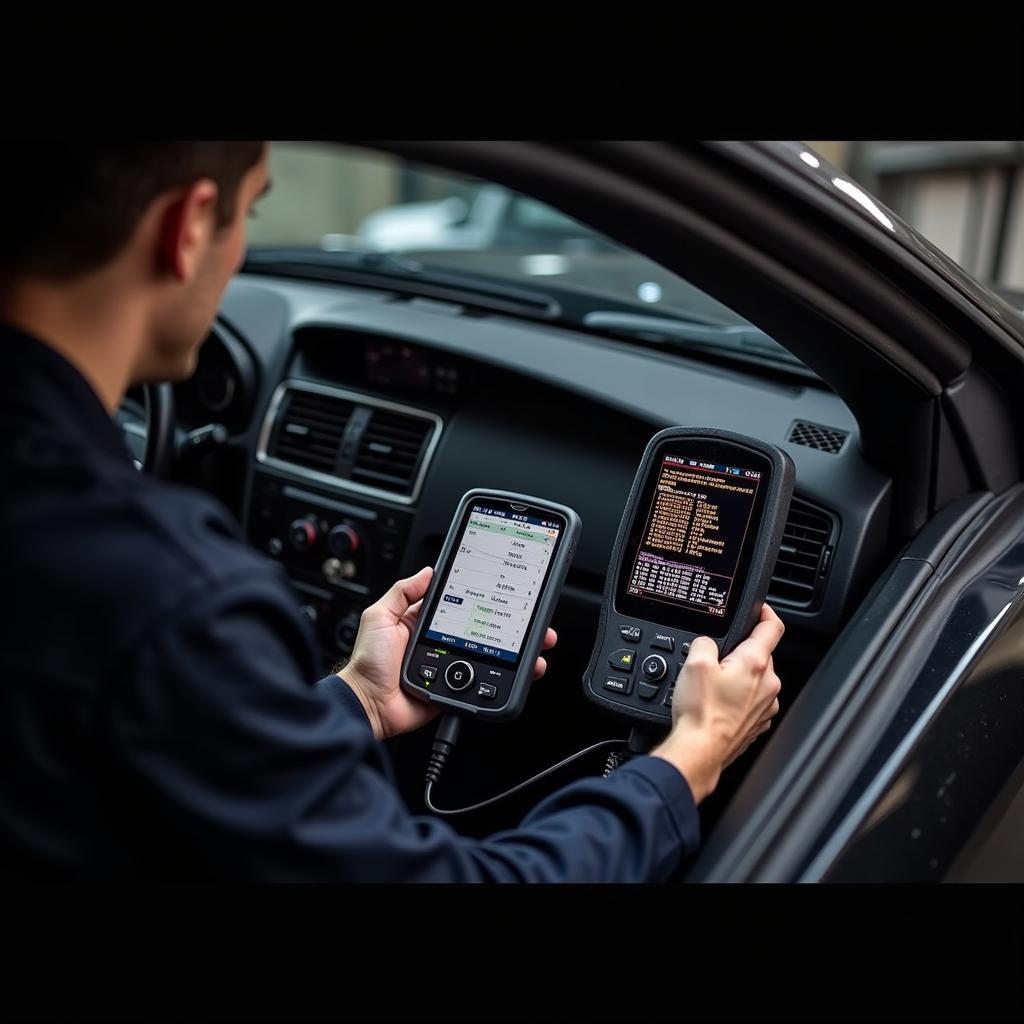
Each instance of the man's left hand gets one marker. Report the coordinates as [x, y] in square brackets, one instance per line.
[376, 663]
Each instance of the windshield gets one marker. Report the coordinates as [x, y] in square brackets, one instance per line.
[329, 198]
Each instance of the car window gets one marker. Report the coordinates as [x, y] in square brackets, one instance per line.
[334, 198]
[533, 215]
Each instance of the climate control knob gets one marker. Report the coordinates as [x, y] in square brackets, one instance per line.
[303, 533]
[343, 541]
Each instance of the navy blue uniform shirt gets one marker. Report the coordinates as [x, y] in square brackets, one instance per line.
[158, 710]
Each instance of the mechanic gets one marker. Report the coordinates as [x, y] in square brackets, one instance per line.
[159, 712]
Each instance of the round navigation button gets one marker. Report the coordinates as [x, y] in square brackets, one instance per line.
[458, 675]
[654, 666]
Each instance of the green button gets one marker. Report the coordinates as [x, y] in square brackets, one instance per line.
[623, 660]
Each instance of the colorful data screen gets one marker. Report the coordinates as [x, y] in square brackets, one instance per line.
[694, 532]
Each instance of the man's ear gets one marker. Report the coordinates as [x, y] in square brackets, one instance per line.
[187, 227]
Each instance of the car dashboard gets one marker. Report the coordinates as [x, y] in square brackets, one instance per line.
[358, 417]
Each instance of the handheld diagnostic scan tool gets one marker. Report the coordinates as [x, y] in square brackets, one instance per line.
[495, 587]
[693, 556]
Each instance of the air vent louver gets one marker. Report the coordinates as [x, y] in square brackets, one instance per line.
[814, 435]
[804, 557]
[309, 430]
[391, 450]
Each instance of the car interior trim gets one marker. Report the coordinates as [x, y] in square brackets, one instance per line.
[914, 659]
[845, 831]
[815, 736]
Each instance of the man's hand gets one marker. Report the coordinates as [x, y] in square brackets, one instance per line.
[376, 662]
[720, 708]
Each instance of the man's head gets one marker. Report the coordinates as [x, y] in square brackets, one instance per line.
[156, 227]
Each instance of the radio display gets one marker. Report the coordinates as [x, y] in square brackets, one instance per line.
[688, 554]
[407, 368]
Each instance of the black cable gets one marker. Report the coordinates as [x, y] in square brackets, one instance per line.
[445, 738]
[641, 739]
[444, 743]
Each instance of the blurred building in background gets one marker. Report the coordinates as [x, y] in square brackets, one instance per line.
[965, 197]
[321, 189]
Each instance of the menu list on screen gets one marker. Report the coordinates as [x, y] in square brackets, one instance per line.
[495, 580]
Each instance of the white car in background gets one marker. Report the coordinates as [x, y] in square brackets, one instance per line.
[490, 217]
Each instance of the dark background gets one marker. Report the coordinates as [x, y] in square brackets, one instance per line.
[731, 70]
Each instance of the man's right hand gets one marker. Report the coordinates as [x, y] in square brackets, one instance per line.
[720, 708]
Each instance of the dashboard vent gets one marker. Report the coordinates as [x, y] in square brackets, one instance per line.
[390, 450]
[804, 557]
[814, 435]
[348, 440]
[309, 430]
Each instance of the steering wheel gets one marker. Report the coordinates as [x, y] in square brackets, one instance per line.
[151, 433]
[148, 428]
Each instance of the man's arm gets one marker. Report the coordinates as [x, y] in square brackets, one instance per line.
[226, 762]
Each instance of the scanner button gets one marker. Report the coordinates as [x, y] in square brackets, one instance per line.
[486, 691]
[631, 633]
[458, 675]
[428, 671]
[647, 691]
[682, 658]
[668, 697]
[654, 667]
[623, 660]
[619, 685]
[664, 642]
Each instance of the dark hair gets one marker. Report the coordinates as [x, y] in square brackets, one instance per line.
[67, 208]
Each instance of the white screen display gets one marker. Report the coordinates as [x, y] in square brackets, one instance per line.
[496, 577]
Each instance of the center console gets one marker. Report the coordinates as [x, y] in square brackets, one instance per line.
[340, 553]
[339, 470]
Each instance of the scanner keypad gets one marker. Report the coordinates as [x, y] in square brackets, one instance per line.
[649, 646]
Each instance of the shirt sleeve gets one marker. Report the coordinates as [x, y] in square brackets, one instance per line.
[227, 763]
[337, 689]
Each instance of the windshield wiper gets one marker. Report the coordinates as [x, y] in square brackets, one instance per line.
[743, 340]
[371, 259]
[404, 274]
